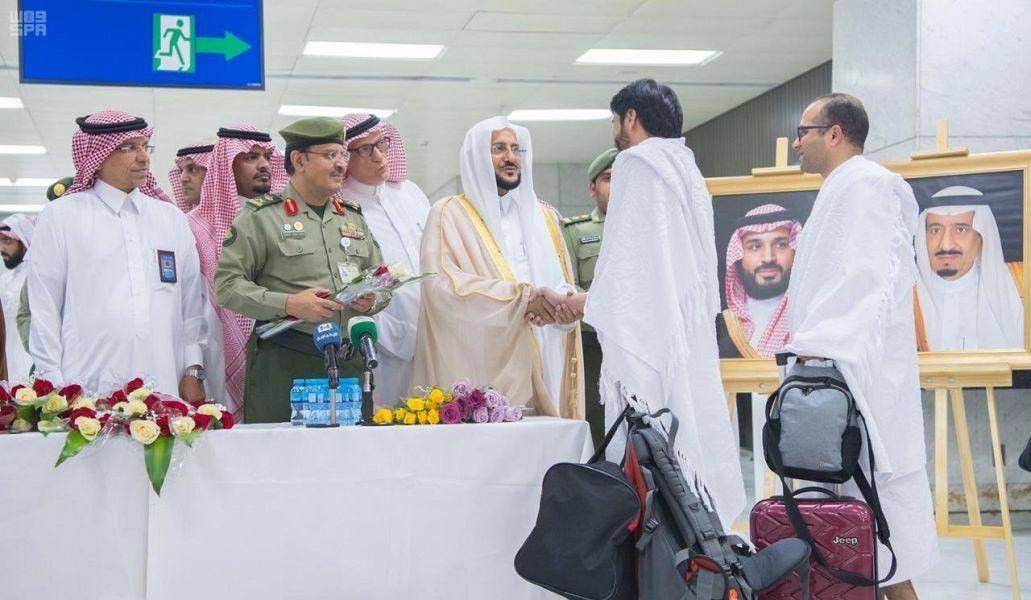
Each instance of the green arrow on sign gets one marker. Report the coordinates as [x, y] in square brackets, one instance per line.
[230, 45]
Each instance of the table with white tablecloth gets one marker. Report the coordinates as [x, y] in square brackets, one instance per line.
[283, 512]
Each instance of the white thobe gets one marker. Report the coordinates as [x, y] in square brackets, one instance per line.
[396, 214]
[101, 312]
[513, 248]
[761, 311]
[851, 297]
[956, 329]
[18, 360]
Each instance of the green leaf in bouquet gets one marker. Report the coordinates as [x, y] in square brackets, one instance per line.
[191, 437]
[215, 424]
[28, 413]
[73, 444]
[158, 456]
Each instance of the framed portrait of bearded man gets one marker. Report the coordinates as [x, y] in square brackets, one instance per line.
[970, 293]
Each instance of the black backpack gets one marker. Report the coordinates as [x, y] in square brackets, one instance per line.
[606, 532]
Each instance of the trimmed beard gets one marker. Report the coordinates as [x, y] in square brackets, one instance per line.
[508, 186]
[763, 291]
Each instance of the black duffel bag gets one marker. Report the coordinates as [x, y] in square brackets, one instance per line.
[582, 547]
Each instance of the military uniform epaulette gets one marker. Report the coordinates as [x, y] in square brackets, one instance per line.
[575, 220]
[265, 200]
[352, 205]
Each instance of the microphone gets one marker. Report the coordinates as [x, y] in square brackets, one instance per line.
[328, 341]
[362, 333]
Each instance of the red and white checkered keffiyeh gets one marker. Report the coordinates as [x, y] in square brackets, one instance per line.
[219, 205]
[397, 162]
[776, 335]
[90, 150]
[196, 152]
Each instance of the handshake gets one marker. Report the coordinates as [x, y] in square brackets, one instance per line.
[548, 306]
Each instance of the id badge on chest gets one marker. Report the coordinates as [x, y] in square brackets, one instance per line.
[348, 271]
[166, 266]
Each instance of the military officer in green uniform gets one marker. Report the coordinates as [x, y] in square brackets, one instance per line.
[284, 254]
[583, 237]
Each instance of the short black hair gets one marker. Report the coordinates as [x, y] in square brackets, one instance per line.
[846, 111]
[656, 105]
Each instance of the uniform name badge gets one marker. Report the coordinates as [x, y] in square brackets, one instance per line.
[166, 266]
[348, 271]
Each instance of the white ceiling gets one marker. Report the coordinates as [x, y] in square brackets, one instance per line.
[500, 55]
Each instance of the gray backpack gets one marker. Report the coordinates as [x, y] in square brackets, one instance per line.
[812, 426]
[683, 552]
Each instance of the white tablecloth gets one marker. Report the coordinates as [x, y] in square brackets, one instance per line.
[281, 512]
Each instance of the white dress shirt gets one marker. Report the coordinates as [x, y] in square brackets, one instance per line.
[396, 214]
[18, 360]
[101, 313]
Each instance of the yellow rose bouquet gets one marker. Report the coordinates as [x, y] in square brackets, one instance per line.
[461, 403]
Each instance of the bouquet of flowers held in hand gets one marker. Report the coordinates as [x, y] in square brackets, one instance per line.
[461, 403]
[381, 279]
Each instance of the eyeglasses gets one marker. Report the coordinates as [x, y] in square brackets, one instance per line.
[135, 149]
[365, 151]
[332, 155]
[800, 132]
[500, 149]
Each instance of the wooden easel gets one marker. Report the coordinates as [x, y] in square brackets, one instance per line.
[948, 382]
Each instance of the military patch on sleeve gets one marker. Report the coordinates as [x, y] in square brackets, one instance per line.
[590, 239]
[230, 236]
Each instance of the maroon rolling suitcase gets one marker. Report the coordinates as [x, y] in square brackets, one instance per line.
[843, 530]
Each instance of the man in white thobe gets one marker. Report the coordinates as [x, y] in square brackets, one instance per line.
[852, 301]
[114, 278]
[655, 294]
[496, 248]
[966, 293]
[396, 211]
[15, 238]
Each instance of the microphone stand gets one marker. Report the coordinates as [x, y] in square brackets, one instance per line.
[368, 382]
[334, 385]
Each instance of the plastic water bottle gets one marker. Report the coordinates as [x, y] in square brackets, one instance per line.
[311, 392]
[297, 405]
[356, 400]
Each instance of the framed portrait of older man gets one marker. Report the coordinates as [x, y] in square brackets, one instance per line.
[969, 245]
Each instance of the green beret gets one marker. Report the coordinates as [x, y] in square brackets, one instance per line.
[58, 188]
[604, 161]
[313, 131]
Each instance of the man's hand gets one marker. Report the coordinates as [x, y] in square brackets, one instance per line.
[539, 311]
[191, 389]
[312, 305]
[363, 304]
[568, 305]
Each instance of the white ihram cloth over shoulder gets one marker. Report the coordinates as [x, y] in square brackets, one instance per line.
[851, 296]
[654, 301]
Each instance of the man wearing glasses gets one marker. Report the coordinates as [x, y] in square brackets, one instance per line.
[851, 300]
[114, 279]
[396, 209]
[499, 253]
[284, 254]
